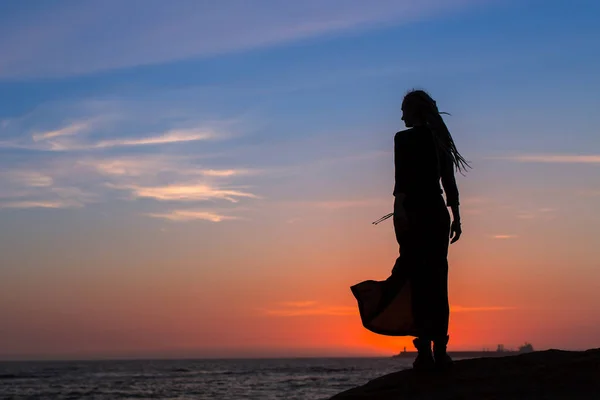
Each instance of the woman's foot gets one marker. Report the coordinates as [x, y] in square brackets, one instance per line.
[442, 359]
[424, 360]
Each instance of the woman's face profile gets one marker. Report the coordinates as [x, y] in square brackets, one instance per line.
[408, 117]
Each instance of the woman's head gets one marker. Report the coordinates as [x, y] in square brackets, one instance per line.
[419, 109]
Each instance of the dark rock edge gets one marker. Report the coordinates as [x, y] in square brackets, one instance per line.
[550, 374]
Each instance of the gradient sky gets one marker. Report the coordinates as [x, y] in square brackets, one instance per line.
[190, 179]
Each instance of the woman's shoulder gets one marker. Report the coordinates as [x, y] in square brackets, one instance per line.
[403, 134]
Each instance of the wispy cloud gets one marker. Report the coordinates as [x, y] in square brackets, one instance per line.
[31, 188]
[192, 215]
[307, 308]
[225, 172]
[184, 192]
[504, 237]
[295, 304]
[68, 130]
[28, 178]
[170, 31]
[74, 181]
[176, 136]
[131, 166]
[154, 164]
[552, 158]
[455, 309]
[312, 311]
[39, 204]
[62, 139]
[317, 311]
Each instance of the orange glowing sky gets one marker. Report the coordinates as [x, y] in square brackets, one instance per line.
[215, 198]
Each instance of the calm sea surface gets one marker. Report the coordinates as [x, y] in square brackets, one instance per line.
[191, 379]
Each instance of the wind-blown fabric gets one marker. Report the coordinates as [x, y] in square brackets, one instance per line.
[385, 306]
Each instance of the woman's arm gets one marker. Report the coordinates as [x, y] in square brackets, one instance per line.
[451, 190]
[449, 184]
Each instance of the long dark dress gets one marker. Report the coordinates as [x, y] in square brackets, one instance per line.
[413, 301]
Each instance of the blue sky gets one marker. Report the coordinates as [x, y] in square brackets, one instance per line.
[273, 85]
[275, 73]
[139, 124]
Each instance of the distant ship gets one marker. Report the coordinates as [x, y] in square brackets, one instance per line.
[500, 352]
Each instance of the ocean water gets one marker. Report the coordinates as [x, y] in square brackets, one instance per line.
[263, 379]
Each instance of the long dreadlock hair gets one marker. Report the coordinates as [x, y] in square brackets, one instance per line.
[425, 107]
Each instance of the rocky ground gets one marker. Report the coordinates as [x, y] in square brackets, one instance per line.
[551, 374]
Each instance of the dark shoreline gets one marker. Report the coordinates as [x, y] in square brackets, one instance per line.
[465, 354]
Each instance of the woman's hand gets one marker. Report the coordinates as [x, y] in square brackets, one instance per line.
[455, 230]
[400, 219]
[400, 216]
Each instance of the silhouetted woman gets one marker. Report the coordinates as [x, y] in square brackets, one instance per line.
[413, 301]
